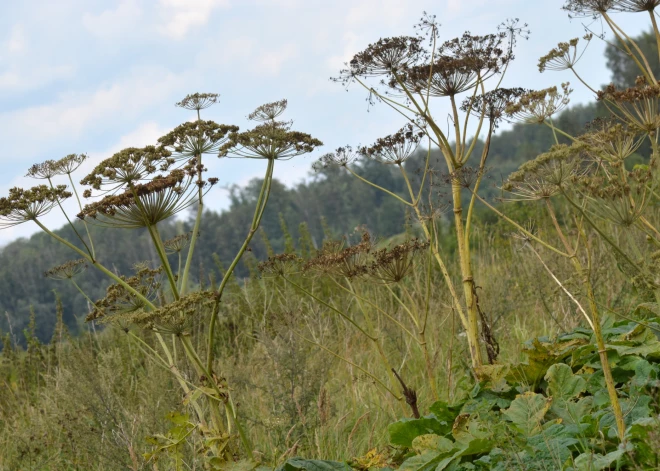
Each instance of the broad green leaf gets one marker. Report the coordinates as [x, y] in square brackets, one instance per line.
[563, 385]
[596, 462]
[403, 432]
[432, 442]
[527, 411]
[443, 412]
[296, 464]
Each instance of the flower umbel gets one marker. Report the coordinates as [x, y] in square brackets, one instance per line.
[27, 205]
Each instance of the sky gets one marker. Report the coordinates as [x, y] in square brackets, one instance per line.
[96, 76]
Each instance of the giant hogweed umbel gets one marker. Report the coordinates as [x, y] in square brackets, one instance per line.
[140, 188]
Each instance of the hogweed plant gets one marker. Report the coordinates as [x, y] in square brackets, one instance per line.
[411, 74]
[140, 188]
[608, 197]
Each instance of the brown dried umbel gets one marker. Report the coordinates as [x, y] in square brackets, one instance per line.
[339, 158]
[198, 101]
[69, 164]
[177, 243]
[193, 139]
[145, 205]
[386, 57]
[638, 106]
[126, 167]
[535, 107]
[271, 141]
[177, 317]
[118, 300]
[492, 105]
[67, 270]
[349, 262]
[635, 6]
[269, 111]
[564, 56]
[43, 171]
[27, 205]
[393, 265]
[588, 8]
[396, 148]
[280, 265]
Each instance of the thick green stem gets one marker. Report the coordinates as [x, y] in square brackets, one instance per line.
[70, 223]
[160, 249]
[195, 234]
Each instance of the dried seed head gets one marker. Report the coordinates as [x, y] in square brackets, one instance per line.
[384, 58]
[638, 106]
[177, 243]
[280, 265]
[339, 158]
[269, 111]
[43, 171]
[635, 6]
[193, 139]
[119, 301]
[128, 167]
[348, 262]
[564, 56]
[394, 264]
[612, 143]
[28, 205]
[144, 205]
[396, 148]
[271, 140]
[69, 164]
[67, 270]
[493, 104]
[537, 106]
[587, 8]
[198, 101]
[177, 317]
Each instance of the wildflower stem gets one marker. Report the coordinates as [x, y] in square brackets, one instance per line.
[195, 234]
[160, 249]
[89, 235]
[256, 220]
[100, 267]
[83, 293]
[522, 229]
[379, 187]
[69, 221]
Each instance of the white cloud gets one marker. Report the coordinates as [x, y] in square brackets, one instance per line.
[182, 15]
[72, 113]
[18, 79]
[17, 43]
[271, 62]
[112, 23]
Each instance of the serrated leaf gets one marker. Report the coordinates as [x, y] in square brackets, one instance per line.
[527, 412]
[563, 385]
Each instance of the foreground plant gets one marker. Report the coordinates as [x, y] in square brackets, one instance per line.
[140, 188]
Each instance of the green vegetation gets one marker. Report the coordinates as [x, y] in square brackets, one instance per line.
[509, 326]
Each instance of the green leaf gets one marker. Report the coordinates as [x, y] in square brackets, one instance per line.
[563, 385]
[404, 431]
[296, 464]
[432, 442]
[527, 411]
[596, 462]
